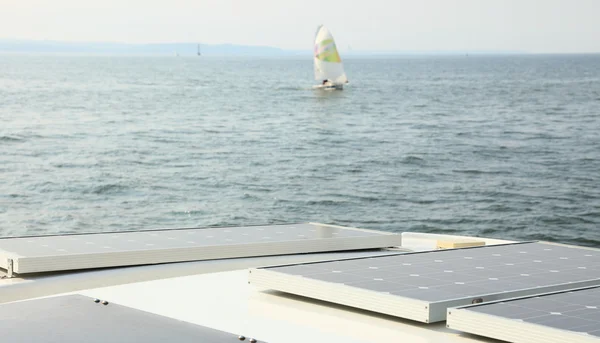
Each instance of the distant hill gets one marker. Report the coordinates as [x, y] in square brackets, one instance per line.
[188, 49]
[138, 49]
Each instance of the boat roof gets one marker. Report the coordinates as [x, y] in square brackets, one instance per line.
[216, 294]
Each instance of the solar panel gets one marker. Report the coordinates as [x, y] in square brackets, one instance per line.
[421, 286]
[572, 316]
[67, 252]
[76, 318]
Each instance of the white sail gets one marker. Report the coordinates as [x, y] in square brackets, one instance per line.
[328, 64]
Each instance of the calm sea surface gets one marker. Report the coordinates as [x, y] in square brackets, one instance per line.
[505, 146]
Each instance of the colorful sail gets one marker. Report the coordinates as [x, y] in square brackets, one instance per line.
[327, 51]
[327, 61]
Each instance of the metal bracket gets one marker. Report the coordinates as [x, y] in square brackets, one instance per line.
[9, 268]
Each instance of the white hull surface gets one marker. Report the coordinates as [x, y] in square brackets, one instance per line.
[216, 294]
[329, 87]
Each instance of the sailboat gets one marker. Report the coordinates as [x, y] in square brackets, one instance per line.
[327, 62]
[199, 54]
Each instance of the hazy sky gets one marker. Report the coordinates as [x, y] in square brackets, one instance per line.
[534, 26]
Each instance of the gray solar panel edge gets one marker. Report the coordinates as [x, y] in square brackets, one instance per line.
[361, 299]
[569, 245]
[350, 228]
[530, 296]
[511, 330]
[439, 309]
[334, 260]
[25, 265]
[70, 234]
[532, 292]
[400, 253]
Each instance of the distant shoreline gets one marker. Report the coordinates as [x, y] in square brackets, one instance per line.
[190, 49]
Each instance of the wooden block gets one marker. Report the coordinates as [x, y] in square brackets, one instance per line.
[459, 243]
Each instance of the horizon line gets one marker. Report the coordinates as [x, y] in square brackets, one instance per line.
[272, 48]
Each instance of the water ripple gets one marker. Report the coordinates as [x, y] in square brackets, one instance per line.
[494, 146]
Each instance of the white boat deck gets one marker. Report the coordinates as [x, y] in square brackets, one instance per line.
[224, 301]
[216, 294]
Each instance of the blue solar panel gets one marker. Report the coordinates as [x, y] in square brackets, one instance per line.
[569, 316]
[440, 279]
[578, 311]
[76, 318]
[459, 273]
